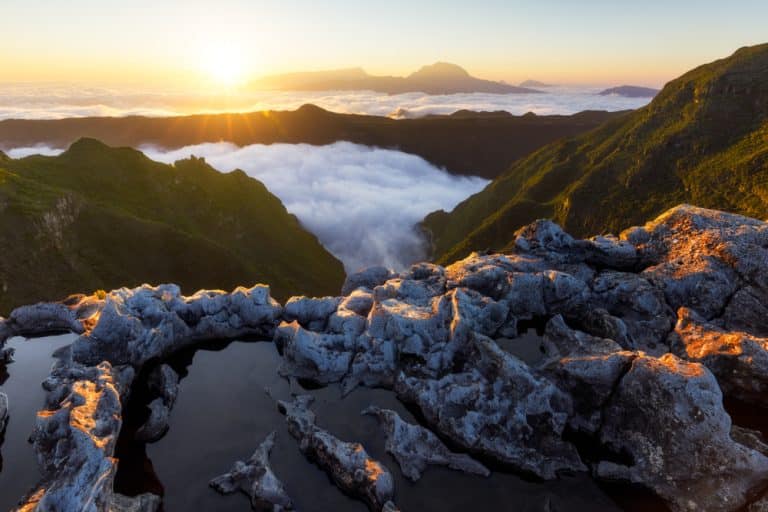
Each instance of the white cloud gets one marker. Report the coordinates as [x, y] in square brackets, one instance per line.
[361, 202]
[33, 150]
[59, 101]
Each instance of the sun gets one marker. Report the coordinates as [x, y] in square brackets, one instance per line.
[224, 66]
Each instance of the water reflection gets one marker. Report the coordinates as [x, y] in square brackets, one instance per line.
[21, 381]
[222, 413]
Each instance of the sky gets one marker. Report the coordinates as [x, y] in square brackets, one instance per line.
[195, 43]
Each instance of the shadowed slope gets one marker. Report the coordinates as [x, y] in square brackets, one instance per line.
[100, 217]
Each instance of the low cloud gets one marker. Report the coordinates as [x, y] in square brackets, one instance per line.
[33, 150]
[54, 102]
[361, 202]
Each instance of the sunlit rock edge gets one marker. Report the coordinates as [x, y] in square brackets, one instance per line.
[645, 334]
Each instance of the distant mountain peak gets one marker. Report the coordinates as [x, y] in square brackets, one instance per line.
[534, 84]
[440, 70]
[630, 91]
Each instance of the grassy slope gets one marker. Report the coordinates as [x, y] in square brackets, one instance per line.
[99, 217]
[703, 140]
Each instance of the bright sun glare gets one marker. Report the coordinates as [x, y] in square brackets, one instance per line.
[224, 66]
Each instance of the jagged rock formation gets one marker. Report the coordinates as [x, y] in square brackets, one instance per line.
[77, 430]
[256, 479]
[163, 383]
[348, 464]
[643, 333]
[414, 447]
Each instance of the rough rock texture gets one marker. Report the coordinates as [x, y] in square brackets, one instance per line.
[738, 360]
[501, 409]
[76, 432]
[74, 439]
[141, 503]
[3, 412]
[256, 479]
[76, 314]
[701, 469]
[348, 464]
[164, 383]
[643, 333]
[137, 325]
[415, 447]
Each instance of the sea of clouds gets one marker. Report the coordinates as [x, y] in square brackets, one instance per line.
[34, 101]
[361, 202]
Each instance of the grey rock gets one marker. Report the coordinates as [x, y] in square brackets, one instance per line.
[738, 360]
[6, 355]
[322, 358]
[368, 278]
[310, 312]
[75, 445]
[136, 325]
[3, 411]
[747, 311]
[348, 464]
[497, 407]
[415, 447]
[256, 479]
[666, 414]
[164, 383]
[586, 368]
[158, 422]
[44, 318]
[146, 502]
[640, 305]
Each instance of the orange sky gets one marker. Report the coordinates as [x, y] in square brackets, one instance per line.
[201, 43]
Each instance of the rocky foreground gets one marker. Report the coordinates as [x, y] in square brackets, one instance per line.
[644, 337]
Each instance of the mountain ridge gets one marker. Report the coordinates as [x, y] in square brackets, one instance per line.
[471, 143]
[437, 78]
[702, 140]
[101, 217]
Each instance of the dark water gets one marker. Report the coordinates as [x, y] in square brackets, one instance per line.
[21, 381]
[527, 346]
[222, 414]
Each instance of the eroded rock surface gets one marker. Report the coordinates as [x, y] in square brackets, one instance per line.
[3, 412]
[415, 448]
[256, 479]
[700, 469]
[77, 430]
[348, 464]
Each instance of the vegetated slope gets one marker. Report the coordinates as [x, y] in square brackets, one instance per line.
[471, 143]
[703, 140]
[100, 217]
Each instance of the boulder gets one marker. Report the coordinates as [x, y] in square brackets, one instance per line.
[498, 408]
[666, 416]
[348, 464]
[256, 479]
[738, 360]
[415, 447]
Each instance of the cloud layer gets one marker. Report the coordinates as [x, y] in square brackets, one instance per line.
[52, 102]
[361, 202]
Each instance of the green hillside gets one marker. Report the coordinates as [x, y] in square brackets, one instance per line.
[100, 217]
[703, 140]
